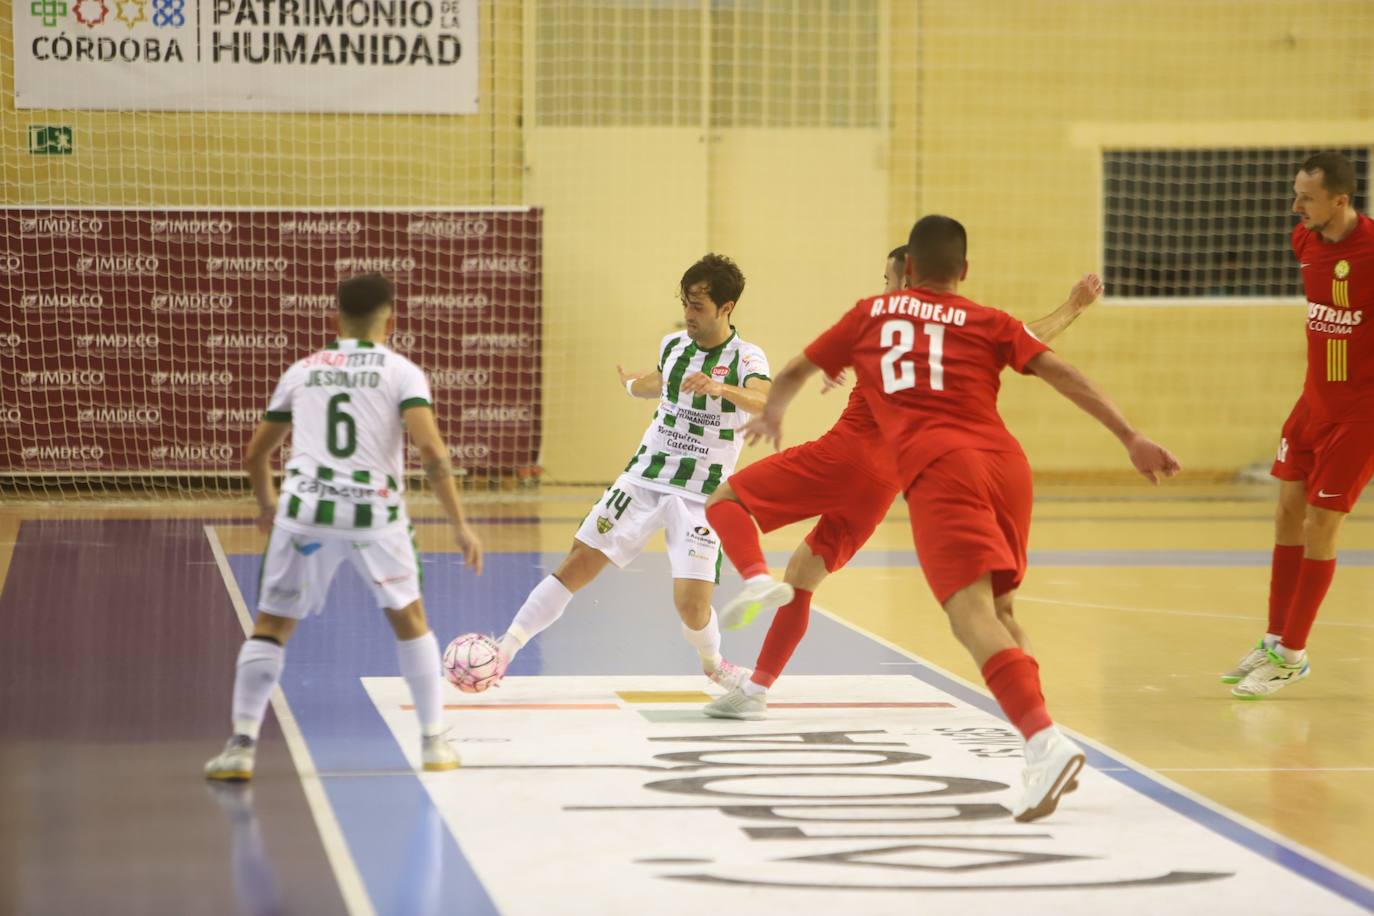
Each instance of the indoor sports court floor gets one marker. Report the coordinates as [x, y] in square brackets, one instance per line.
[592, 783]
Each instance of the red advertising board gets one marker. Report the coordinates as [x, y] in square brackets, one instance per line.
[148, 341]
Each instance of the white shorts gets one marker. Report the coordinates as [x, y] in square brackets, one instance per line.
[297, 570]
[628, 514]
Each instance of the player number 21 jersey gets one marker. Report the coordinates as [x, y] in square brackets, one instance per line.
[691, 445]
[346, 469]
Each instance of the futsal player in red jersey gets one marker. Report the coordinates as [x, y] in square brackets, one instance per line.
[928, 362]
[848, 485]
[1326, 449]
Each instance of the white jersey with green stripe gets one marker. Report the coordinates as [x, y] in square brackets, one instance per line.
[692, 443]
[346, 469]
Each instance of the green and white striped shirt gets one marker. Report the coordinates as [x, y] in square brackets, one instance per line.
[346, 469]
[691, 445]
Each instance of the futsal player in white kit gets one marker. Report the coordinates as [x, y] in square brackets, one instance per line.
[707, 383]
[347, 407]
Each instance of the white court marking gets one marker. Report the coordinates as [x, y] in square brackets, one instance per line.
[876, 810]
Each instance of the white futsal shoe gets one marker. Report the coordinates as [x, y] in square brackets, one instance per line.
[754, 599]
[235, 762]
[1256, 657]
[437, 755]
[1272, 675]
[1048, 777]
[729, 676]
[738, 705]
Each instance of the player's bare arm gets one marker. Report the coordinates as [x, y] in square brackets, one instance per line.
[1149, 458]
[767, 424]
[1084, 293]
[257, 460]
[645, 383]
[750, 398]
[425, 436]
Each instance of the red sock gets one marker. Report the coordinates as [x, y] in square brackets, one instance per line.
[738, 536]
[1314, 578]
[786, 631]
[1014, 679]
[1283, 580]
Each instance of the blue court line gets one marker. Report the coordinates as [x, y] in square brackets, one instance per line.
[1218, 822]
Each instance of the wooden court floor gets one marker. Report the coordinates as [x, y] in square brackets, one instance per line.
[1136, 600]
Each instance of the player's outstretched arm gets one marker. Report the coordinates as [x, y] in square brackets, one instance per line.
[646, 383]
[425, 436]
[767, 425]
[750, 398]
[1084, 293]
[1149, 458]
[257, 460]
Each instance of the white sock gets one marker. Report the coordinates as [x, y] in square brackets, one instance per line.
[1039, 743]
[752, 689]
[258, 671]
[761, 577]
[1271, 640]
[544, 606]
[706, 641]
[1291, 656]
[420, 665]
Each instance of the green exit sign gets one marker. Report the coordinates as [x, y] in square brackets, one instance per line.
[49, 140]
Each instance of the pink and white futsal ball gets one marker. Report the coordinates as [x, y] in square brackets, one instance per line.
[472, 662]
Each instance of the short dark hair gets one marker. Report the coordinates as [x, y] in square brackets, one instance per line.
[361, 297]
[1338, 172]
[897, 254]
[724, 281]
[938, 247]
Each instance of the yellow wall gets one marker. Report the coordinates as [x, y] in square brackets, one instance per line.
[998, 113]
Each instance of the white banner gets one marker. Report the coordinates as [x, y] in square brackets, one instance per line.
[378, 56]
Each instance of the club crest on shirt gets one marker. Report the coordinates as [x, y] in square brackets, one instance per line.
[1342, 269]
[604, 524]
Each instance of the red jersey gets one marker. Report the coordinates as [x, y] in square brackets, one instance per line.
[1339, 282]
[928, 364]
[855, 427]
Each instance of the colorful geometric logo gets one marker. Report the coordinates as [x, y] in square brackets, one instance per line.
[169, 13]
[91, 13]
[50, 11]
[131, 12]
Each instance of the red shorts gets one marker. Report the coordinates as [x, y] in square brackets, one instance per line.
[817, 478]
[970, 516]
[1334, 459]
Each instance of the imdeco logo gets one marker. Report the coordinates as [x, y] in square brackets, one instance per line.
[63, 378]
[11, 416]
[233, 417]
[67, 453]
[448, 227]
[246, 341]
[497, 343]
[68, 226]
[497, 413]
[351, 266]
[460, 378]
[191, 379]
[200, 452]
[105, 342]
[70, 301]
[435, 302]
[307, 302]
[202, 303]
[191, 228]
[247, 266]
[12, 263]
[10, 342]
[142, 415]
[460, 452]
[498, 264]
[137, 265]
[320, 228]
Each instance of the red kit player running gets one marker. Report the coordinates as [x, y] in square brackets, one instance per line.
[928, 361]
[1326, 453]
[850, 488]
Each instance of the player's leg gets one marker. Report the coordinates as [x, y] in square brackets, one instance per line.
[739, 537]
[1006, 614]
[694, 553]
[1292, 465]
[296, 572]
[550, 598]
[417, 656]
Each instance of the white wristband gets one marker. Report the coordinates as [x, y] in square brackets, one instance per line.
[630, 386]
